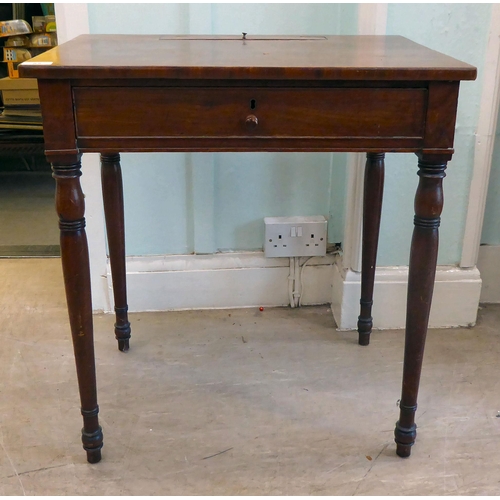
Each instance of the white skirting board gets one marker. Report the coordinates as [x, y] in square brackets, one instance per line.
[488, 263]
[455, 299]
[221, 281]
[248, 279]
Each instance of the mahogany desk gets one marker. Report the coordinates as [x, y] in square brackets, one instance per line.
[109, 94]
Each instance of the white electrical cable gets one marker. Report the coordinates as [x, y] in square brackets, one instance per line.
[291, 282]
[301, 282]
[296, 287]
[295, 281]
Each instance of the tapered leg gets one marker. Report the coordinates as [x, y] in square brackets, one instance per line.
[372, 208]
[75, 262]
[112, 191]
[423, 258]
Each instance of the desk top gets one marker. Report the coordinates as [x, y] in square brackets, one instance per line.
[253, 57]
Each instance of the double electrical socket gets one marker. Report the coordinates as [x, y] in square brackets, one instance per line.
[295, 236]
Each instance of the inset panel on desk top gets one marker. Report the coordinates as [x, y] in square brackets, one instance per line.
[223, 112]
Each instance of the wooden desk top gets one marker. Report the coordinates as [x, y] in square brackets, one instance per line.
[256, 57]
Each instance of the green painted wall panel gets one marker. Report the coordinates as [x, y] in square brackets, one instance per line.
[251, 186]
[458, 30]
[206, 203]
[158, 204]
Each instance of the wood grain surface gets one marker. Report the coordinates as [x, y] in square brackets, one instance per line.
[329, 57]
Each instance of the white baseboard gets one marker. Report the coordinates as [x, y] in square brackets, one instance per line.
[220, 281]
[488, 263]
[248, 279]
[455, 300]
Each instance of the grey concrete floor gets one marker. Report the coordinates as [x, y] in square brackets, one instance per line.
[239, 402]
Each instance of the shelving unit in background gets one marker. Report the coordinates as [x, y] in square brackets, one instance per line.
[27, 217]
[22, 41]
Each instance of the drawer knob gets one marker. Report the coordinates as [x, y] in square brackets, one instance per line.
[251, 122]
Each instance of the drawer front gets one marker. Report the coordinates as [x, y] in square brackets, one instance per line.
[140, 112]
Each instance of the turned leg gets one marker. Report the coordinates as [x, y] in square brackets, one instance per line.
[372, 207]
[75, 262]
[112, 191]
[423, 258]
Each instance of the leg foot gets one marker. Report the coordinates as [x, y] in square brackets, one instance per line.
[123, 345]
[405, 439]
[403, 451]
[122, 328]
[94, 456]
[364, 330]
[92, 444]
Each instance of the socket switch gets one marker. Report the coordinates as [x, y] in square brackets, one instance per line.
[295, 236]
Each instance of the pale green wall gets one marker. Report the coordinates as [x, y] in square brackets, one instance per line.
[204, 203]
[458, 30]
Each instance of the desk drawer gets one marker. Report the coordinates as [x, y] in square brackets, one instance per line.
[249, 112]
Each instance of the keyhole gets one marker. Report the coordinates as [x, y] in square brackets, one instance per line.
[252, 103]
